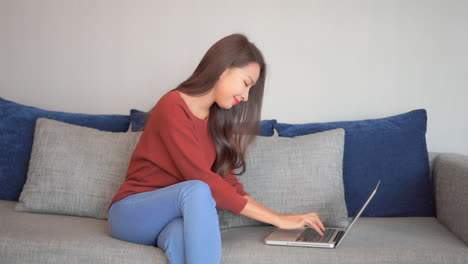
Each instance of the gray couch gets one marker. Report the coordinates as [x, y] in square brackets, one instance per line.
[48, 238]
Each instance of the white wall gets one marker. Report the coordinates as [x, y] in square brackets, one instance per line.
[328, 60]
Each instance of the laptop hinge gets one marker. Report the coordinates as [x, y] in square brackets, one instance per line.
[338, 236]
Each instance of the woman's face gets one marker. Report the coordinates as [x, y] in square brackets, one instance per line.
[235, 83]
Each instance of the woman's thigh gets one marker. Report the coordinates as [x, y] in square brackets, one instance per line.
[140, 217]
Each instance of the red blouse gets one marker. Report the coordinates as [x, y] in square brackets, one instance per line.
[176, 146]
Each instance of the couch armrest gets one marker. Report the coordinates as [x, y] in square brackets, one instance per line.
[450, 178]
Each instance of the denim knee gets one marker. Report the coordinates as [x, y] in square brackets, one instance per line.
[199, 189]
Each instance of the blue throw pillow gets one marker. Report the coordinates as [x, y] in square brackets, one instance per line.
[392, 149]
[137, 119]
[267, 127]
[17, 124]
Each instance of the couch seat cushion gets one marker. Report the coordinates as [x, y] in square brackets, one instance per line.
[43, 238]
[371, 240]
[48, 238]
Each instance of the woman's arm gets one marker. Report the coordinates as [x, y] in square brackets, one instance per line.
[258, 211]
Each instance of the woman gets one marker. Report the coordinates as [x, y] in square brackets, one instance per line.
[183, 166]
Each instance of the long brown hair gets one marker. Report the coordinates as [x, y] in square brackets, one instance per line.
[232, 130]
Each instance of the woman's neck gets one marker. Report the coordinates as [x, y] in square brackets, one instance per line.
[198, 105]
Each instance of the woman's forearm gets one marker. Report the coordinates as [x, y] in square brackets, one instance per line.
[259, 212]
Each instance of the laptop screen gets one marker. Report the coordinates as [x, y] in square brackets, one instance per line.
[360, 211]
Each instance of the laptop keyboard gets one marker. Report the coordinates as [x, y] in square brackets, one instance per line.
[310, 235]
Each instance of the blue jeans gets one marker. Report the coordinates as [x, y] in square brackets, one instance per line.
[181, 219]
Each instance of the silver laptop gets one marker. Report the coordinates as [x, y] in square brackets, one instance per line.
[308, 237]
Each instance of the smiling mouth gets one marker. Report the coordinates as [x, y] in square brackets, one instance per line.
[235, 100]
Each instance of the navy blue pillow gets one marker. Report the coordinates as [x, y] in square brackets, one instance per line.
[137, 119]
[17, 125]
[392, 149]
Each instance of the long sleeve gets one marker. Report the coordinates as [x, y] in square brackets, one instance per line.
[185, 150]
[233, 181]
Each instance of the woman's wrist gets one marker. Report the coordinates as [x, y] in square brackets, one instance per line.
[277, 220]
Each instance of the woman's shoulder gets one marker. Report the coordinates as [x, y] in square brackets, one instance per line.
[169, 97]
[170, 106]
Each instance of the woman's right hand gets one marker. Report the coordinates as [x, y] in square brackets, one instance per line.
[298, 221]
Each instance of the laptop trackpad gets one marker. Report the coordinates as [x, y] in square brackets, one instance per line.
[285, 234]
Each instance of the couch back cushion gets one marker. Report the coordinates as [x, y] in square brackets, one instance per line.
[75, 170]
[17, 122]
[295, 176]
[392, 149]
